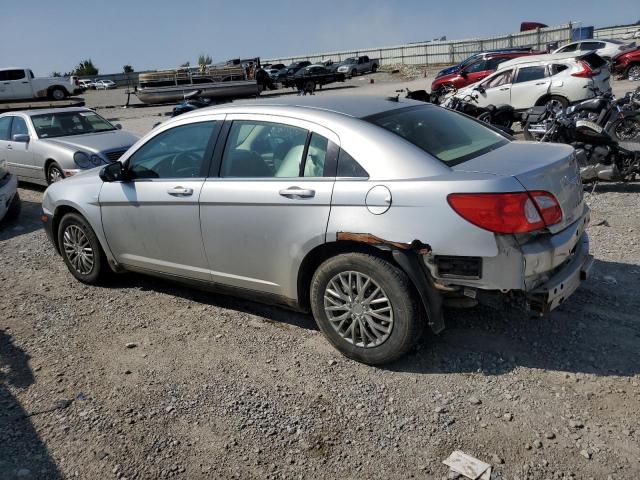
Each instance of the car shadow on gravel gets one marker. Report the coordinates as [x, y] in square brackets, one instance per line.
[618, 187]
[270, 313]
[597, 331]
[22, 453]
[27, 221]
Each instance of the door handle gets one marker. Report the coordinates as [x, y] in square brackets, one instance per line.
[180, 191]
[504, 89]
[297, 192]
[542, 83]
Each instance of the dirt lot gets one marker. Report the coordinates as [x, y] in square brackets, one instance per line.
[146, 379]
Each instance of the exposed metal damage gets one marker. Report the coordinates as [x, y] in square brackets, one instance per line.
[408, 256]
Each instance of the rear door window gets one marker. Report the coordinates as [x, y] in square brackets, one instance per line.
[588, 46]
[16, 74]
[528, 74]
[499, 79]
[569, 48]
[449, 136]
[557, 68]
[478, 66]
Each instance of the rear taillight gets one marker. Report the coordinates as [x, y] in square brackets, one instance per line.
[518, 212]
[585, 70]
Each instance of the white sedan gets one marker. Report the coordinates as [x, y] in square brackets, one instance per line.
[105, 84]
[607, 49]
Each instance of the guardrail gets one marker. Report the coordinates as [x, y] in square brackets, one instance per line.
[442, 52]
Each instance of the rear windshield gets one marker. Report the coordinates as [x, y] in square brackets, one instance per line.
[449, 136]
[594, 60]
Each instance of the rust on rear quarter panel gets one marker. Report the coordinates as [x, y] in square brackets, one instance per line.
[416, 245]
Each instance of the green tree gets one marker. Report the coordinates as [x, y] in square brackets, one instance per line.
[127, 69]
[204, 60]
[56, 74]
[86, 68]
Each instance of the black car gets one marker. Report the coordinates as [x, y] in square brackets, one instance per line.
[308, 78]
[291, 69]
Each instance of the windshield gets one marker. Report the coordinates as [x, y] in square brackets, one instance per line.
[449, 136]
[350, 60]
[64, 124]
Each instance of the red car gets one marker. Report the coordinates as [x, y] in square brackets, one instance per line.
[627, 64]
[473, 72]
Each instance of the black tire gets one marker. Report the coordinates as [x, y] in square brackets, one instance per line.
[557, 100]
[631, 70]
[58, 93]
[485, 117]
[374, 68]
[309, 86]
[407, 323]
[14, 209]
[503, 120]
[354, 73]
[626, 129]
[99, 268]
[53, 173]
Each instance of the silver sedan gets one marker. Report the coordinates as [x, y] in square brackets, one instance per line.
[44, 146]
[370, 213]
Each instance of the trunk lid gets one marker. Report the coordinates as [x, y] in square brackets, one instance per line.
[537, 166]
[599, 65]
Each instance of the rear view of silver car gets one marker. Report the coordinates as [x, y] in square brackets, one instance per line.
[370, 213]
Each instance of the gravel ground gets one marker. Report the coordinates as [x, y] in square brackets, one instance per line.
[146, 379]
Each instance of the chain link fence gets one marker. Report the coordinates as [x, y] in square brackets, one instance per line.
[443, 52]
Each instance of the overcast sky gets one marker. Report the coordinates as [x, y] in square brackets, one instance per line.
[55, 35]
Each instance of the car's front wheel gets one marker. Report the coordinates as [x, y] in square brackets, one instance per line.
[54, 173]
[81, 249]
[366, 307]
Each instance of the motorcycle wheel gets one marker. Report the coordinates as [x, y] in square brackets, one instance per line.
[503, 120]
[485, 117]
[627, 130]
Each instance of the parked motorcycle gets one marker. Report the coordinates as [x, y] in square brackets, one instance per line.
[619, 117]
[598, 153]
[192, 101]
[501, 116]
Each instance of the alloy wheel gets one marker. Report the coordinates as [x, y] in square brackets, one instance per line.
[55, 174]
[77, 249]
[627, 130]
[358, 309]
[554, 105]
[634, 72]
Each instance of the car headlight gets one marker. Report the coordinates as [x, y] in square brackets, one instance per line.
[81, 159]
[96, 160]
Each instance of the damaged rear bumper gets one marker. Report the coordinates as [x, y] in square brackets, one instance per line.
[564, 282]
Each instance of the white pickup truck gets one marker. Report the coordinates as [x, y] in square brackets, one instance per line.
[21, 84]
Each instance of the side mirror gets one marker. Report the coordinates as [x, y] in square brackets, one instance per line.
[463, 74]
[480, 88]
[118, 126]
[113, 172]
[21, 137]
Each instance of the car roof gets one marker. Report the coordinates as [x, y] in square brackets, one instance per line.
[547, 57]
[357, 106]
[44, 111]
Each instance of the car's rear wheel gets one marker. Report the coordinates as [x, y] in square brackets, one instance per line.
[555, 103]
[81, 249]
[354, 73]
[54, 173]
[374, 68]
[58, 93]
[366, 307]
[309, 86]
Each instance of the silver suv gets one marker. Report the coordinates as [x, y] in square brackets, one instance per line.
[369, 212]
